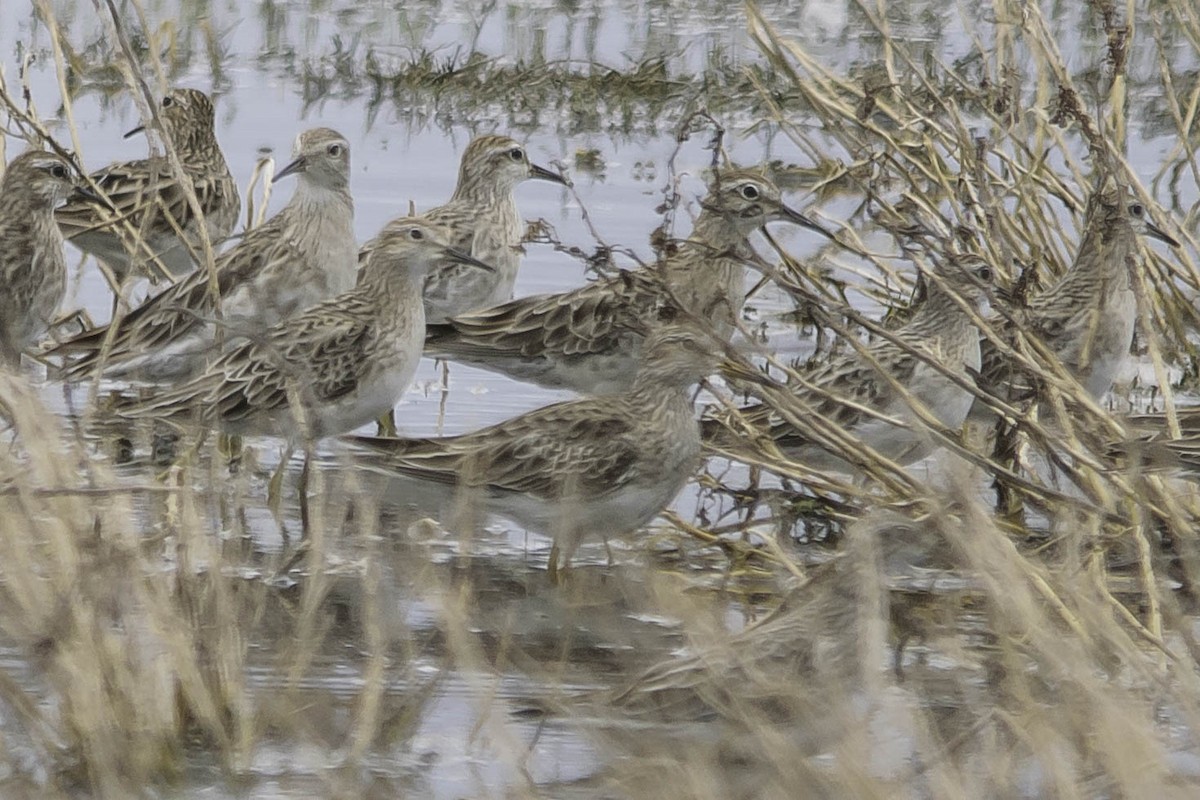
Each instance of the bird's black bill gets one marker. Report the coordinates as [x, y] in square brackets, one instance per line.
[135, 131]
[543, 174]
[1161, 235]
[459, 257]
[297, 165]
[789, 214]
[738, 371]
[92, 197]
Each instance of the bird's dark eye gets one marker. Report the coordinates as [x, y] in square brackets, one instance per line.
[58, 171]
[985, 274]
[416, 234]
[335, 150]
[168, 101]
[750, 192]
[516, 154]
[1137, 209]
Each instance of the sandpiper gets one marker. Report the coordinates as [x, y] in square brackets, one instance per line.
[587, 339]
[482, 219]
[603, 465]
[304, 254]
[1087, 318]
[815, 635]
[150, 218]
[1149, 438]
[329, 369]
[869, 394]
[32, 264]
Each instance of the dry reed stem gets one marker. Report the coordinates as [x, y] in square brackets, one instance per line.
[1048, 52]
[1071, 675]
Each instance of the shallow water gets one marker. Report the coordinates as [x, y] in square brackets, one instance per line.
[284, 67]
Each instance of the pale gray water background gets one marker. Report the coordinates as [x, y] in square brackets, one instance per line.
[410, 153]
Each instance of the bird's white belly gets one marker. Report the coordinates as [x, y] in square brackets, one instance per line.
[609, 373]
[1100, 352]
[374, 398]
[1103, 372]
[570, 521]
[910, 441]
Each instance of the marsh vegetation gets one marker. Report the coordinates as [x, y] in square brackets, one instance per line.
[779, 632]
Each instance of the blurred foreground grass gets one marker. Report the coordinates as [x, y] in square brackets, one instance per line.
[152, 647]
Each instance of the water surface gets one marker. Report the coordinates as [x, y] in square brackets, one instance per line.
[280, 67]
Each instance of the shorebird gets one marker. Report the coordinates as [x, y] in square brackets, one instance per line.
[482, 219]
[149, 218]
[304, 254]
[869, 394]
[32, 264]
[329, 369]
[1087, 318]
[596, 466]
[882, 570]
[587, 339]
